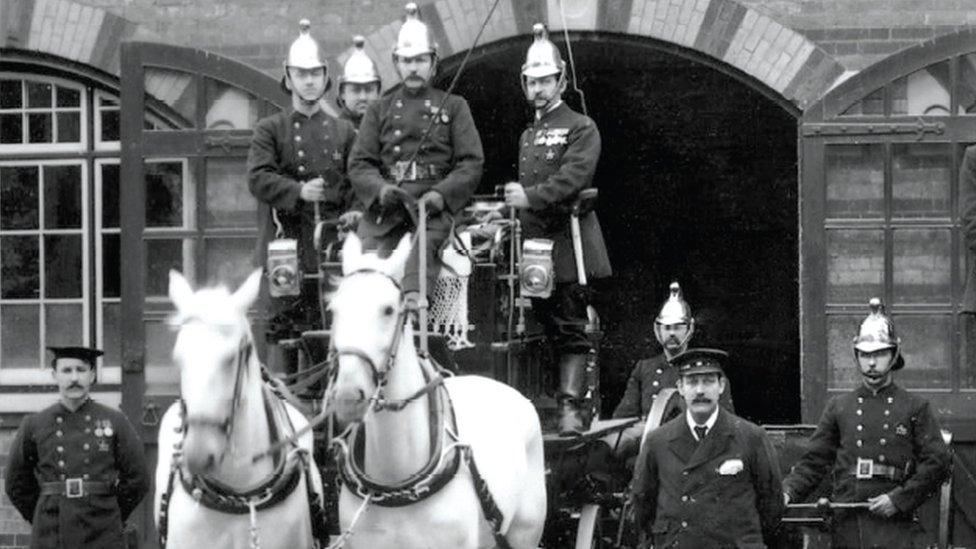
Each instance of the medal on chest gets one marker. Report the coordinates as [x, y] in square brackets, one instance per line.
[103, 432]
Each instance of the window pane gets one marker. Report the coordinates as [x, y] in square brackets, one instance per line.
[161, 256]
[229, 261]
[229, 108]
[924, 92]
[177, 90]
[922, 268]
[925, 344]
[69, 127]
[111, 340]
[20, 336]
[63, 325]
[920, 180]
[62, 197]
[841, 329]
[63, 274]
[872, 104]
[11, 128]
[68, 97]
[229, 202]
[110, 195]
[855, 181]
[162, 376]
[39, 94]
[855, 265]
[20, 277]
[164, 194]
[966, 92]
[19, 197]
[967, 350]
[111, 265]
[39, 128]
[110, 125]
[11, 94]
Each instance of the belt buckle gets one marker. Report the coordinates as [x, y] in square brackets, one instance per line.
[74, 488]
[865, 468]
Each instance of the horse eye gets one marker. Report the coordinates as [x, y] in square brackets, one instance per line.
[388, 310]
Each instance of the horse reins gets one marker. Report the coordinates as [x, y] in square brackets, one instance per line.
[226, 425]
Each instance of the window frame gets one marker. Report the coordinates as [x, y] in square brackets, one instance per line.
[47, 148]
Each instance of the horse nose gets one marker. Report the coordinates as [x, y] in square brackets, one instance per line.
[200, 462]
[350, 404]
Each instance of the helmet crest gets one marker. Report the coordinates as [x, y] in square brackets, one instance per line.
[359, 68]
[877, 332]
[542, 58]
[414, 37]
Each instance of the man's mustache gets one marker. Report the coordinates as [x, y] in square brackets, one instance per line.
[701, 400]
[75, 386]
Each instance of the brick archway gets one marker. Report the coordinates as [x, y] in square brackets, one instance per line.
[67, 29]
[774, 55]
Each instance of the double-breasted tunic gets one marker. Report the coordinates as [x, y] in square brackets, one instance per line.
[894, 429]
[449, 161]
[288, 149]
[558, 155]
[721, 492]
[99, 450]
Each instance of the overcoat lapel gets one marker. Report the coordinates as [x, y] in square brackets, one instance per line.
[681, 442]
[715, 444]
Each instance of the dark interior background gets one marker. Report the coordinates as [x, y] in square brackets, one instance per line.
[698, 183]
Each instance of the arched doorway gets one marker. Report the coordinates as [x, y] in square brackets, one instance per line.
[698, 183]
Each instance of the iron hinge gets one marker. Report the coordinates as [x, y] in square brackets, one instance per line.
[831, 129]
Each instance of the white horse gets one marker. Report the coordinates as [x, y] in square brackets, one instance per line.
[209, 493]
[401, 460]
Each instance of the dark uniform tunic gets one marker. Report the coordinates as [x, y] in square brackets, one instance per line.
[647, 379]
[449, 161]
[348, 116]
[721, 492]
[558, 155]
[893, 429]
[95, 444]
[288, 149]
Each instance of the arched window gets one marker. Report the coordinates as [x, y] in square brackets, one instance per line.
[880, 217]
[59, 224]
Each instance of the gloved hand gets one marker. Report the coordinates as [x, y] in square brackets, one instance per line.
[515, 195]
[349, 220]
[389, 197]
[313, 190]
[434, 201]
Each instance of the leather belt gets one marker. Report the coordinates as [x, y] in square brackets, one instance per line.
[412, 171]
[868, 469]
[72, 488]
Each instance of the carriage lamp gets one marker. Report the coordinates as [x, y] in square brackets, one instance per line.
[284, 276]
[536, 270]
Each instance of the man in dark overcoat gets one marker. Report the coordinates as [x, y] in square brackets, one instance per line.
[673, 329]
[297, 161]
[879, 444]
[415, 143]
[707, 478]
[558, 155]
[76, 469]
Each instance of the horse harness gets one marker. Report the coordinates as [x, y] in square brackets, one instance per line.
[446, 455]
[282, 482]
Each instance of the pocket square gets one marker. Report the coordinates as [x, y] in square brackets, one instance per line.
[730, 467]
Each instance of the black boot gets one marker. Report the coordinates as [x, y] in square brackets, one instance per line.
[573, 416]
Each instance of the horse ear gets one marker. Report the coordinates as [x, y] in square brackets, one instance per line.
[396, 264]
[247, 294]
[352, 250]
[180, 291]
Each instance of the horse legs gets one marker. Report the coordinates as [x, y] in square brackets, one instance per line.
[525, 531]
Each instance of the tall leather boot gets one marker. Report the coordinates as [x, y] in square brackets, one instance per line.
[573, 417]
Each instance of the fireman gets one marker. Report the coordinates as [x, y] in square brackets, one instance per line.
[558, 155]
[359, 84]
[416, 143]
[878, 444]
[297, 161]
[673, 329]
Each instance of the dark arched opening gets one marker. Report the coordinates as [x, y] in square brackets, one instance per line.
[698, 183]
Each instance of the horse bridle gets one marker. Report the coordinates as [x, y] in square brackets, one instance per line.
[225, 425]
[389, 356]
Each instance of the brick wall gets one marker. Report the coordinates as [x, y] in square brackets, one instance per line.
[14, 531]
[857, 32]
